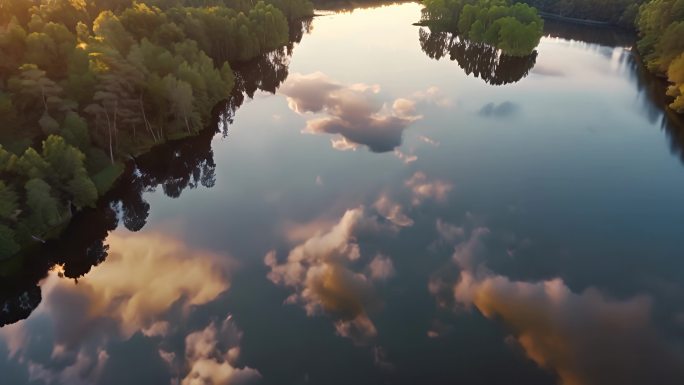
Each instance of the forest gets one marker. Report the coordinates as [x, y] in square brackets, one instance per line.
[172, 167]
[661, 26]
[87, 85]
[618, 12]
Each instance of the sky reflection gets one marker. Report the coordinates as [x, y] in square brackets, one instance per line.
[481, 233]
[355, 112]
[145, 294]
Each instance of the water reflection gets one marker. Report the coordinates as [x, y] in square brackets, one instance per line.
[585, 338]
[320, 271]
[479, 59]
[86, 333]
[329, 270]
[587, 34]
[545, 251]
[652, 94]
[173, 167]
[353, 112]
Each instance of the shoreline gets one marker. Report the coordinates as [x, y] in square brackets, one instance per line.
[574, 20]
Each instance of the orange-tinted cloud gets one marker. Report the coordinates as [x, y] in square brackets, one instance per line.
[322, 272]
[353, 112]
[211, 354]
[585, 338]
[144, 278]
[423, 188]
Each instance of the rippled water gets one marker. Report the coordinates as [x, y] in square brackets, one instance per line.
[407, 208]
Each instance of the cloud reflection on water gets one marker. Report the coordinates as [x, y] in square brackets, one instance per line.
[585, 338]
[354, 112]
[323, 270]
[148, 288]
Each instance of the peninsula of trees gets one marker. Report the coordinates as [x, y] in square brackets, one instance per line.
[87, 84]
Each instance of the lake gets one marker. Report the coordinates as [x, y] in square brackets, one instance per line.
[386, 205]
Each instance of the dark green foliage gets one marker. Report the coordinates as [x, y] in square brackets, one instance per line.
[619, 12]
[8, 246]
[86, 85]
[44, 210]
[8, 202]
[514, 28]
[661, 26]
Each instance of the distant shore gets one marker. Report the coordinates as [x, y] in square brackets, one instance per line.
[554, 16]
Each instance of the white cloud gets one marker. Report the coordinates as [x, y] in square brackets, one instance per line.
[211, 355]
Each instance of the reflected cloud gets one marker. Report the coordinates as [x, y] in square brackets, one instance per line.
[428, 140]
[145, 275]
[448, 232]
[323, 272]
[381, 267]
[393, 211]
[148, 280]
[404, 157]
[502, 110]
[422, 188]
[354, 112]
[434, 95]
[585, 338]
[547, 71]
[211, 354]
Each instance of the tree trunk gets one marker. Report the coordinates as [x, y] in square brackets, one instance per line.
[116, 131]
[109, 131]
[42, 91]
[147, 123]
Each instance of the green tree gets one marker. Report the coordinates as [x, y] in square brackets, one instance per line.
[8, 245]
[43, 208]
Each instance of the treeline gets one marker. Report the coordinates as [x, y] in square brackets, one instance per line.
[514, 28]
[85, 85]
[172, 168]
[618, 12]
[661, 25]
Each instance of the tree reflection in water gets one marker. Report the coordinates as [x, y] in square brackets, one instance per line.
[479, 59]
[174, 166]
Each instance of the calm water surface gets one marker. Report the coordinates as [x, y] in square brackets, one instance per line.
[407, 208]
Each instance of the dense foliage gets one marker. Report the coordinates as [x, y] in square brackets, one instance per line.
[172, 167]
[514, 28]
[619, 12]
[85, 85]
[661, 24]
